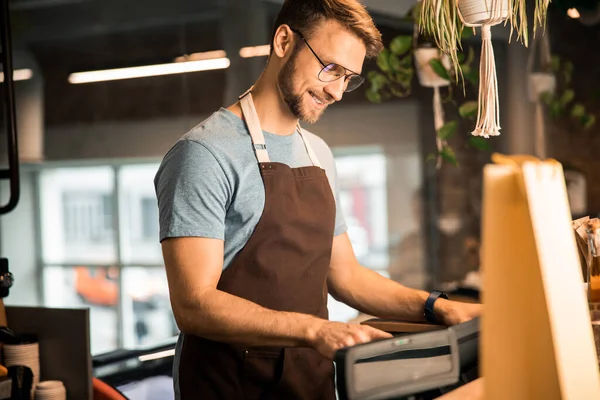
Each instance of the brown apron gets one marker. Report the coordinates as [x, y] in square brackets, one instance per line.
[283, 267]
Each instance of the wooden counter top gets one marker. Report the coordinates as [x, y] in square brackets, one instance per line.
[393, 326]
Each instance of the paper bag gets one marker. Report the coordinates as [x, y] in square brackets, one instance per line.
[579, 226]
[537, 342]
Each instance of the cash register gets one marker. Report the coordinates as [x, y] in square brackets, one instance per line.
[419, 366]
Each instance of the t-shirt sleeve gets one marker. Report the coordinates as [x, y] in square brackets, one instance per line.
[193, 192]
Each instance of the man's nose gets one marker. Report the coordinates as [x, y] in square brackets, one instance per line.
[336, 88]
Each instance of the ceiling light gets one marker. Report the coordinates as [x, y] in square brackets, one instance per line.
[157, 355]
[149, 70]
[206, 55]
[573, 13]
[255, 51]
[19, 75]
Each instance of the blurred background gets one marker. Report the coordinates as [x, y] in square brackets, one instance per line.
[85, 233]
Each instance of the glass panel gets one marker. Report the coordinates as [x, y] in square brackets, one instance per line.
[362, 182]
[148, 318]
[139, 215]
[96, 288]
[77, 215]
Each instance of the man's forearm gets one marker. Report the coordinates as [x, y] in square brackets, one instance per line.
[373, 294]
[223, 317]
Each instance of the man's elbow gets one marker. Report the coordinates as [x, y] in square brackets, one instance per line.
[190, 315]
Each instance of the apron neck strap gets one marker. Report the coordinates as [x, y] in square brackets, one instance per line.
[253, 124]
[256, 133]
[309, 150]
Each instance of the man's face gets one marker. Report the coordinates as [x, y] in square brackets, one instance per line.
[306, 96]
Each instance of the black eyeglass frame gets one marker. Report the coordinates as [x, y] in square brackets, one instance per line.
[346, 75]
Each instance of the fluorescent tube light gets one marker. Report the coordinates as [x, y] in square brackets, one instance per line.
[149, 70]
[205, 55]
[19, 75]
[255, 51]
[156, 356]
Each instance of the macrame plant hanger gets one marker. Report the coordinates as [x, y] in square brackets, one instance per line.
[488, 114]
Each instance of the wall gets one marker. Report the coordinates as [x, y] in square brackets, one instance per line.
[568, 142]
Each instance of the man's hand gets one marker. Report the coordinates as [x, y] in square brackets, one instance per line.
[332, 336]
[454, 312]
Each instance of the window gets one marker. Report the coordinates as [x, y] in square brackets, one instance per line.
[149, 208]
[88, 217]
[104, 257]
[363, 198]
[77, 215]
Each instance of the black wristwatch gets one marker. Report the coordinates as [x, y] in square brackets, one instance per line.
[429, 314]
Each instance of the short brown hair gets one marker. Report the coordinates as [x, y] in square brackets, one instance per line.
[304, 15]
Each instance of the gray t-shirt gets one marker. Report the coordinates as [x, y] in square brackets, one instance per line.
[209, 185]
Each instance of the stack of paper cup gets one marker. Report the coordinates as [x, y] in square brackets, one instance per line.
[27, 355]
[50, 390]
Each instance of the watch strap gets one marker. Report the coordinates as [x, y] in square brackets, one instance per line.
[429, 304]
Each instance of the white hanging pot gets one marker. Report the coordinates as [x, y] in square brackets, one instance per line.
[477, 12]
[426, 74]
[541, 82]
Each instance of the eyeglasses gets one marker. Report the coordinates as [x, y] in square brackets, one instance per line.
[332, 72]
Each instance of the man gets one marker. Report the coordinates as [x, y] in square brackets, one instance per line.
[251, 236]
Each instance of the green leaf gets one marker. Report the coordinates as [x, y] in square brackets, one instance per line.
[568, 67]
[587, 121]
[555, 63]
[401, 44]
[448, 154]
[378, 80]
[439, 68]
[400, 90]
[373, 97]
[567, 97]
[448, 98]
[467, 33]
[468, 109]
[480, 143]
[567, 71]
[404, 77]
[383, 61]
[472, 77]
[471, 56]
[556, 109]
[431, 157]
[447, 130]
[547, 98]
[578, 110]
[395, 63]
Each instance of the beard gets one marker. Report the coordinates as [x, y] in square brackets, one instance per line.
[285, 81]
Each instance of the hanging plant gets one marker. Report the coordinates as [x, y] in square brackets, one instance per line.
[445, 20]
[561, 101]
[395, 76]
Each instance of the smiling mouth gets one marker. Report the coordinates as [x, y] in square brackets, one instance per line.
[319, 101]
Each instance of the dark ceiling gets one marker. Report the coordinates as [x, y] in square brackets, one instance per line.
[65, 36]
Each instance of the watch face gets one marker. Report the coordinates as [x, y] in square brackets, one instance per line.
[6, 280]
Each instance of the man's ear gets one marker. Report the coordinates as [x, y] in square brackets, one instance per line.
[283, 41]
